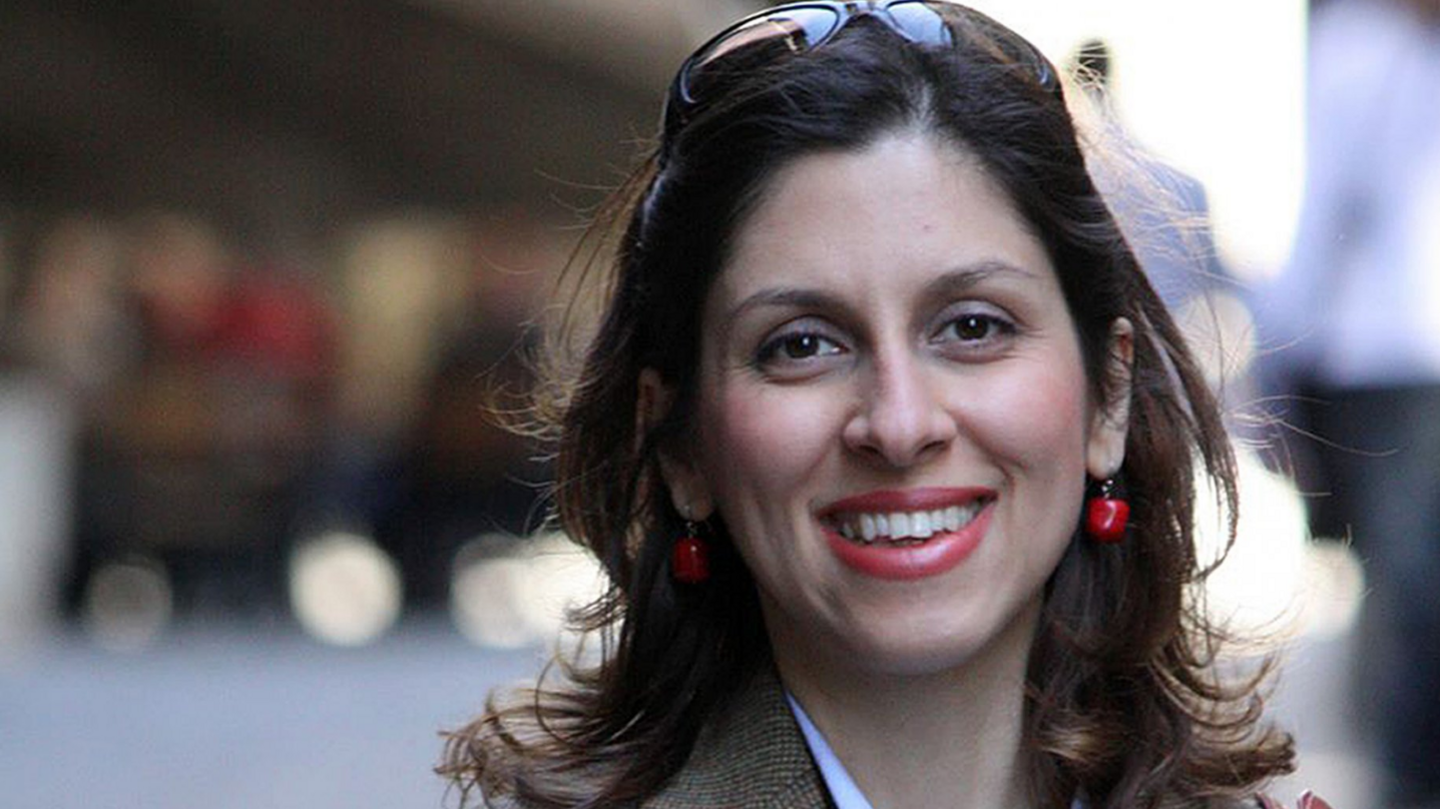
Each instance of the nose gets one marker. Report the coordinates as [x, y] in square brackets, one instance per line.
[902, 418]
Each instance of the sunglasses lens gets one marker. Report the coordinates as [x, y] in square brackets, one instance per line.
[920, 21]
[758, 42]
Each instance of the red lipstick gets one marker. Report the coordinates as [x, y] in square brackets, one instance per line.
[927, 499]
[896, 561]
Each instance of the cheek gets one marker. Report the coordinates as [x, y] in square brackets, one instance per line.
[758, 441]
[1037, 421]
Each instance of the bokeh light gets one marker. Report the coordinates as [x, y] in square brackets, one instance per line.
[344, 589]
[128, 604]
[507, 593]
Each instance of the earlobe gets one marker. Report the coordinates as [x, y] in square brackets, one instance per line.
[688, 492]
[1110, 423]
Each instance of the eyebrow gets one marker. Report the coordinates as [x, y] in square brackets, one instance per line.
[951, 282]
[969, 276]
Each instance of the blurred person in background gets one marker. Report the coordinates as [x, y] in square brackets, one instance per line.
[1164, 211]
[67, 338]
[71, 322]
[1352, 326]
[142, 490]
[1165, 215]
[199, 454]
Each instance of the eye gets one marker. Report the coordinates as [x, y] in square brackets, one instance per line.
[795, 347]
[972, 327]
[796, 352]
[975, 332]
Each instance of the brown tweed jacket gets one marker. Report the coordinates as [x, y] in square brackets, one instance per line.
[753, 756]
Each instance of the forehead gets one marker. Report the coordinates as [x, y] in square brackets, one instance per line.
[903, 207]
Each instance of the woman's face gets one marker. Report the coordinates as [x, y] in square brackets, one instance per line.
[893, 417]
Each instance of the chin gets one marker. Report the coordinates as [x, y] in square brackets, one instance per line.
[926, 662]
[924, 646]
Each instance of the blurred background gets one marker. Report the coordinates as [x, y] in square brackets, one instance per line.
[261, 264]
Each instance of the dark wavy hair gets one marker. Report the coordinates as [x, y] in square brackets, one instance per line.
[1124, 702]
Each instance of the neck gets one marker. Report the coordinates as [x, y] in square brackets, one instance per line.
[949, 738]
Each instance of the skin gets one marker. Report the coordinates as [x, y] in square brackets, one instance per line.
[889, 324]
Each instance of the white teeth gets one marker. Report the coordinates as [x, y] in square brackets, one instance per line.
[899, 525]
[920, 525]
[867, 527]
[907, 525]
[953, 518]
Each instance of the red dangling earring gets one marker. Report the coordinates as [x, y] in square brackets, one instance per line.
[690, 558]
[1107, 515]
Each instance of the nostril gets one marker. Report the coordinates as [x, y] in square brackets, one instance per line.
[899, 447]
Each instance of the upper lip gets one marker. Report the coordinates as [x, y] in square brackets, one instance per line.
[893, 500]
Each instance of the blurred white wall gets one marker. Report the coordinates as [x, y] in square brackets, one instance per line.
[1215, 88]
[35, 434]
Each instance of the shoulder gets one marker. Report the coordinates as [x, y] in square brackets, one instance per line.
[752, 755]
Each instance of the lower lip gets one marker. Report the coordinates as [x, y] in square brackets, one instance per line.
[940, 553]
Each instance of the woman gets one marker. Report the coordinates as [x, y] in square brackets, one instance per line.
[876, 383]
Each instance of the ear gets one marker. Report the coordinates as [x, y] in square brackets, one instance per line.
[689, 493]
[1110, 423]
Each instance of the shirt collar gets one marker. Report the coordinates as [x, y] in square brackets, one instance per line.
[843, 790]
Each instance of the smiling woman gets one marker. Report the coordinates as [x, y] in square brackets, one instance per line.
[870, 342]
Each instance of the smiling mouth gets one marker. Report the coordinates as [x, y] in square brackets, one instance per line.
[904, 527]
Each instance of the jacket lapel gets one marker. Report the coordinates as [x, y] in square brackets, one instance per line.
[752, 755]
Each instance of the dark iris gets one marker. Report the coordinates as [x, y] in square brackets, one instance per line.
[801, 346]
[972, 327]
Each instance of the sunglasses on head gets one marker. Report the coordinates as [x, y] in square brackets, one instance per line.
[767, 36]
